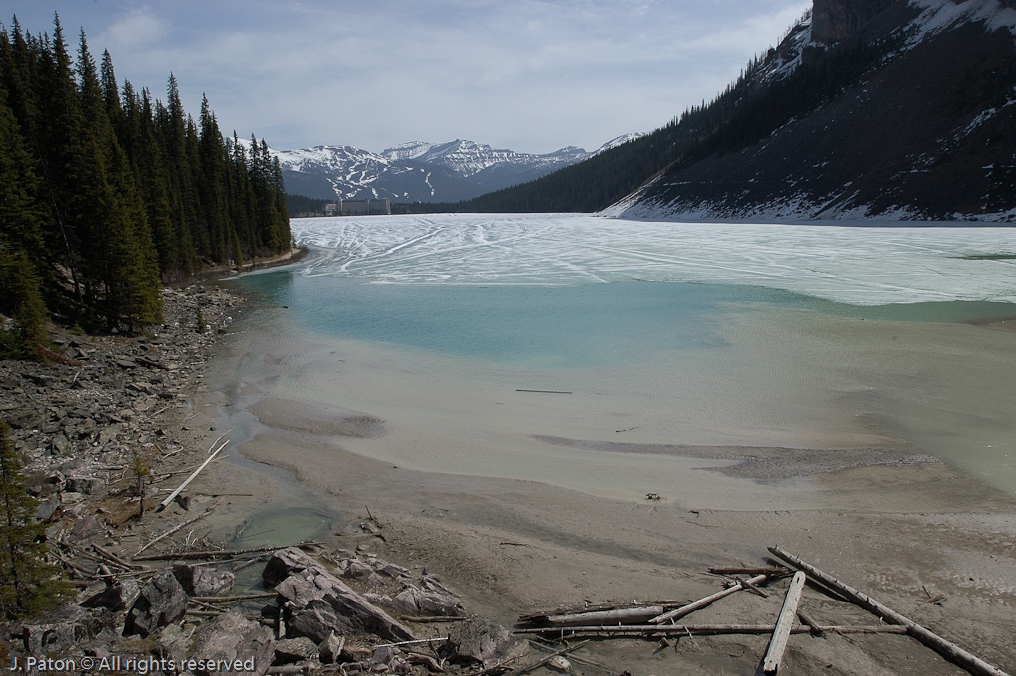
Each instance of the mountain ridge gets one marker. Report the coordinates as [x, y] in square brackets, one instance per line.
[418, 171]
[924, 134]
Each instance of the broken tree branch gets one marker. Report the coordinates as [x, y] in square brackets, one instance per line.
[702, 629]
[954, 653]
[172, 496]
[778, 644]
[702, 603]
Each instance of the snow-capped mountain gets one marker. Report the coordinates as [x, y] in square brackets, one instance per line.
[419, 171]
[891, 110]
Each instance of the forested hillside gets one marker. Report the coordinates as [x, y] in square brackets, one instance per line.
[600, 181]
[887, 109]
[106, 193]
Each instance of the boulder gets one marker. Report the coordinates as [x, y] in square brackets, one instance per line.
[203, 580]
[88, 485]
[418, 601]
[86, 528]
[118, 596]
[231, 637]
[161, 602]
[46, 510]
[478, 639]
[330, 649]
[289, 650]
[58, 631]
[318, 603]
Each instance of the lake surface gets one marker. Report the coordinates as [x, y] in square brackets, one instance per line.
[660, 333]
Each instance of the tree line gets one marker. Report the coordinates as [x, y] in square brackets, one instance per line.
[106, 193]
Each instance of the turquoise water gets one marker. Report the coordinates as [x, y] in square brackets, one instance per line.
[562, 326]
[668, 333]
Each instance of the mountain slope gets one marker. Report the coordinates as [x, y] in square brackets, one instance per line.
[928, 132]
[417, 171]
[888, 109]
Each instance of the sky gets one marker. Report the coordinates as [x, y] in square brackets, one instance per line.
[528, 75]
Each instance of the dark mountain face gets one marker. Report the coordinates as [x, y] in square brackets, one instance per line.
[925, 130]
[836, 20]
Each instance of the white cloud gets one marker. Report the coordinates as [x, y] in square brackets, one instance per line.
[140, 26]
[533, 75]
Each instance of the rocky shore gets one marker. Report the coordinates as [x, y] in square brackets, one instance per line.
[102, 427]
[166, 592]
[80, 420]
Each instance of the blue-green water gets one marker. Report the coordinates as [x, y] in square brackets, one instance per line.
[708, 334]
[563, 326]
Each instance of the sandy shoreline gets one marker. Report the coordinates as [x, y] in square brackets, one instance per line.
[904, 528]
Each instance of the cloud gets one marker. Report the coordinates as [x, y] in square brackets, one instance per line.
[533, 75]
[139, 26]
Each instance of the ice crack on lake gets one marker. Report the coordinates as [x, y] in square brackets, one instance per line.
[849, 264]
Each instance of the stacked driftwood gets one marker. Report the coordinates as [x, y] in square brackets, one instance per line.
[659, 619]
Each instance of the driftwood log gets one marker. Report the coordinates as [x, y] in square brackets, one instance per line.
[702, 603]
[172, 496]
[702, 630]
[951, 651]
[785, 623]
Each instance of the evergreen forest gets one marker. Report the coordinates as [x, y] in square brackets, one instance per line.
[106, 193]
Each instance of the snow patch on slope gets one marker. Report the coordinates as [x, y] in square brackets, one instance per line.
[943, 15]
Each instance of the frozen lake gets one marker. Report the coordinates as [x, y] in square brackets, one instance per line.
[814, 337]
[858, 265]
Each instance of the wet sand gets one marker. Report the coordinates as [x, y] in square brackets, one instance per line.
[887, 518]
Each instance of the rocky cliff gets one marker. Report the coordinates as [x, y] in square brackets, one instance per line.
[913, 120]
[835, 20]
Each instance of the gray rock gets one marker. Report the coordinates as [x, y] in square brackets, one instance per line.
[418, 601]
[173, 644]
[161, 602]
[87, 527]
[61, 445]
[40, 379]
[289, 650]
[89, 485]
[57, 631]
[47, 510]
[120, 595]
[232, 637]
[478, 639]
[319, 603]
[203, 580]
[330, 649]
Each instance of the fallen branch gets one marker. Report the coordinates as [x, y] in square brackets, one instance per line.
[542, 615]
[778, 643]
[172, 496]
[539, 663]
[740, 570]
[172, 530]
[619, 616]
[231, 599]
[703, 629]
[702, 603]
[207, 554]
[113, 558]
[954, 653]
[810, 621]
[417, 641]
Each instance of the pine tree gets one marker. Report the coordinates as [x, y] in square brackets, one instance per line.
[22, 248]
[28, 585]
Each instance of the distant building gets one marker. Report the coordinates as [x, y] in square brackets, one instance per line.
[331, 208]
[363, 207]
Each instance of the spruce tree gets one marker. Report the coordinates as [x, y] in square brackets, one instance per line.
[28, 585]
